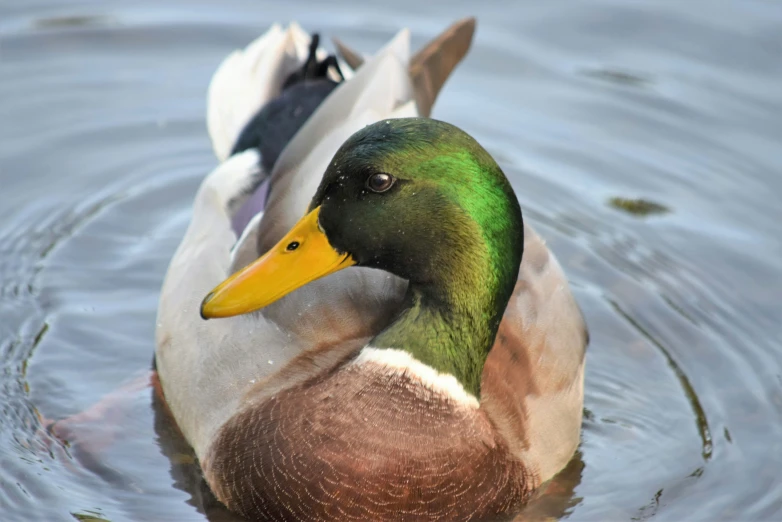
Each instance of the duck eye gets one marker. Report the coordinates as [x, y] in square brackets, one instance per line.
[293, 245]
[380, 182]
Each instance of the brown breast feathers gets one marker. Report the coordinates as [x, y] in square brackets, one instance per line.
[363, 444]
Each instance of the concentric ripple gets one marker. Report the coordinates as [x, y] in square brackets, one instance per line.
[642, 139]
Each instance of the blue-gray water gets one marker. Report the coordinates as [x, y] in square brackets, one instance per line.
[583, 103]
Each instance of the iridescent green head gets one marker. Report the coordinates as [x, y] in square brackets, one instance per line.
[423, 200]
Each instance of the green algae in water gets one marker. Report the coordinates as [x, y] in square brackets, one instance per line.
[618, 77]
[58, 22]
[638, 207]
[89, 516]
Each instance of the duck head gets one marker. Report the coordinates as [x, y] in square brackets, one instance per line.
[423, 200]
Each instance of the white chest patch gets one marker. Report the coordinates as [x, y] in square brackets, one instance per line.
[401, 362]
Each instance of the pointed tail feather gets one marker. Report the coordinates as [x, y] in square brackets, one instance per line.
[432, 65]
[351, 57]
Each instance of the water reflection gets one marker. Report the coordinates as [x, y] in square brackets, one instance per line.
[642, 139]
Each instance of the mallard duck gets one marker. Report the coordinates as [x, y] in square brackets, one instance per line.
[377, 347]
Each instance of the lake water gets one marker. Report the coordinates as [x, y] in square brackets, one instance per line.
[644, 139]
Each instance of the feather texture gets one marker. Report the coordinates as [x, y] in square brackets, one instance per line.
[218, 374]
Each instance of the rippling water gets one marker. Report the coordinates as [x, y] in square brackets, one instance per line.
[643, 140]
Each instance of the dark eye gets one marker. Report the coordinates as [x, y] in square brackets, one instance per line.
[380, 182]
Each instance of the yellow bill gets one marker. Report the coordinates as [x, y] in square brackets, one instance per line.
[303, 255]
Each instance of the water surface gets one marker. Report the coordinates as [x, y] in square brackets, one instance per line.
[643, 140]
